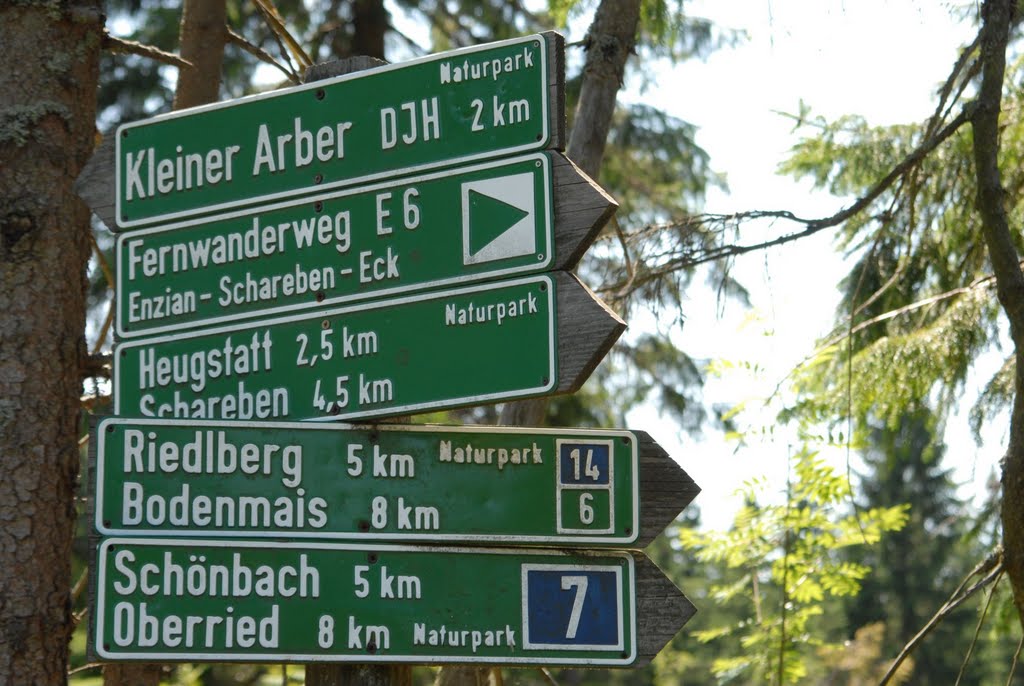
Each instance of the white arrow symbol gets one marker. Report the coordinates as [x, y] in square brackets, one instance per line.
[498, 218]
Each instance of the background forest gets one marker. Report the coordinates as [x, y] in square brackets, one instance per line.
[828, 582]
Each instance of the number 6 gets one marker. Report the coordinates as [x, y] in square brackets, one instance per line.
[586, 511]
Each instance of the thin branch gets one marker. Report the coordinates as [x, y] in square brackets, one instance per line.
[102, 338]
[547, 676]
[992, 567]
[630, 267]
[261, 54]
[812, 226]
[1013, 665]
[79, 586]
[97, 366]
[984, 280]
[120, 46]
[977, 629]
[83, 668]
[947, 87]
[108, 273]
[924, 302]
[281, 32]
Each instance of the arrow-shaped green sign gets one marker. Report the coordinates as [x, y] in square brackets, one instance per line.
[482, 222]
[201, 600]
[509, 339]
[324, 481]
[455, 107]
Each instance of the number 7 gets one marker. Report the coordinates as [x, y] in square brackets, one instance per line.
[580, 584]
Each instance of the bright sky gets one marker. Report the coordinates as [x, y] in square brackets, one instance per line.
[837, 57]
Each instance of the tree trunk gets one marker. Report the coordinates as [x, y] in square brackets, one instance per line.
[202, 36]
[610, 40]
[369, 25]
[49, 66]
[996, 16]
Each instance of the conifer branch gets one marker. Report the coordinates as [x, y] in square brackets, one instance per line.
[984, 281]
[121, 46]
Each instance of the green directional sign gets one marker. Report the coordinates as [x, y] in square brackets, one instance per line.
[380, 483]
[479, 222]
[423, 352]
[455, 107]
[390, 357]
[205, 600]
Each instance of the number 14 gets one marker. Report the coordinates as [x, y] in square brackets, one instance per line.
[589, 469]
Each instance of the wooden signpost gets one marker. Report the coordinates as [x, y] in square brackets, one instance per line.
[368, 245]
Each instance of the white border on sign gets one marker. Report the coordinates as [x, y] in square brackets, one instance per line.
[544, 205]
[324, 83]
[625, 659]
[120, 349]
[620, 623]
[99, 474]
[610, 487]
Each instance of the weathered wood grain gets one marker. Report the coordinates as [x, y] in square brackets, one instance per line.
[582, 208]
[556, 89]
[95, 184]
[665, 489]
[661, 610]
[587, 329]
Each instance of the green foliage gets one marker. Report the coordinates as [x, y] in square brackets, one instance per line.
[920, 291]
[916, 569]
[903, 371]
[786, 562]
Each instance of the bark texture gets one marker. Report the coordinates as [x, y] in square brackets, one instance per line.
[49, 66]
[370, 23]
[202, 36]
[996, 18]
[610, 40]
